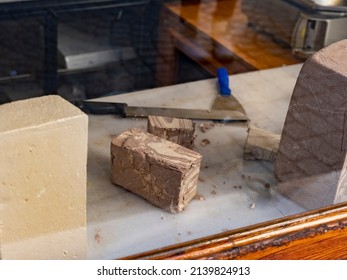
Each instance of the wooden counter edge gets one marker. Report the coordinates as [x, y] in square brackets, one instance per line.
[317, 234]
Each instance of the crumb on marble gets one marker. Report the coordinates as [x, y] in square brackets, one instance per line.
[205, 142]
[199, 197]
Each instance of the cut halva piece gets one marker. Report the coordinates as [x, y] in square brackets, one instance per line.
[180, 131]
[162, 172]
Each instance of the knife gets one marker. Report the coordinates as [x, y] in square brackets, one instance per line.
[225, 100]
[94, 107]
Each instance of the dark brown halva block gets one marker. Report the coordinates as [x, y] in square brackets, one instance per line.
[311, 161]
[180, 131]
[162, 172]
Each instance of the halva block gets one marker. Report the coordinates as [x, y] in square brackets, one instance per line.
[162, 172]
[43, 158]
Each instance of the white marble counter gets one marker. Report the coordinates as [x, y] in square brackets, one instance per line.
[233, 191]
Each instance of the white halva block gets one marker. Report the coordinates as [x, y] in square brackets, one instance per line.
[43, 158]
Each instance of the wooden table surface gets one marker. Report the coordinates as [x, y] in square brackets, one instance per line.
[224, 22]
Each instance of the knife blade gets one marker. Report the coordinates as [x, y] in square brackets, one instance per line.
[95, 107]
[225, 100]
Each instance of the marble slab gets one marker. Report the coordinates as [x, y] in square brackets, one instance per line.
[232, 192]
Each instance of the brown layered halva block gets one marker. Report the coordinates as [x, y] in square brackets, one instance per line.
[261, 144]
[162, 172]
[180, 131]
[311, 163]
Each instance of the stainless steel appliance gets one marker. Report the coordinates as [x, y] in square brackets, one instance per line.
[304, 25]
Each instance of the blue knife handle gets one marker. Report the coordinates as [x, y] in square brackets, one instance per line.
[223, 81]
